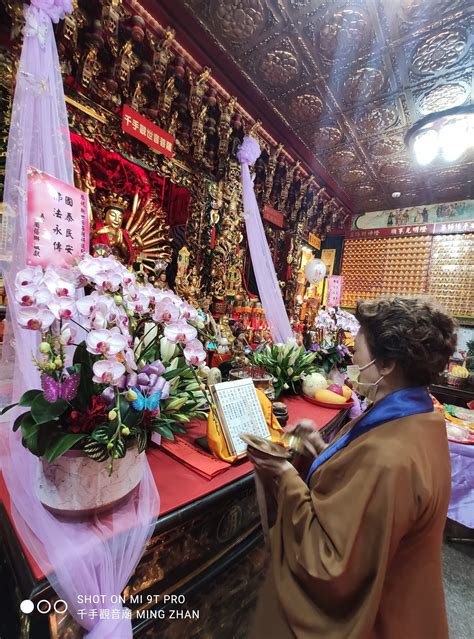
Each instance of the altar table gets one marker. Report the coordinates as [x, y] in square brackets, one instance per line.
[206, 546]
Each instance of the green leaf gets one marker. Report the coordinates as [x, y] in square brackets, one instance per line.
[7, 408]
[177, 372]
[111, 428]
[101, 435]
[142, 440]
[179, 417]
[18, 420]
[94, 450]
[74, 369]
[164, 431]
[179, 429]
[42, 411]
[60, 444]
[29, 397]
[199, 414]
[28, 427]
[87, 388]
[120, 447]
[31, 435]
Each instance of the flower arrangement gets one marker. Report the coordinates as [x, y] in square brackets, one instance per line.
[337, 329]
[335, 319]
[288, 363]
[116, 364]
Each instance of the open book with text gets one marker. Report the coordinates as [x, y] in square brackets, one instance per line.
[239, 413]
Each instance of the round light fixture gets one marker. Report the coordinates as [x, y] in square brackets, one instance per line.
[396, 194]
[445, 135]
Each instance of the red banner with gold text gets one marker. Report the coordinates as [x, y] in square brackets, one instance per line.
[144, 130]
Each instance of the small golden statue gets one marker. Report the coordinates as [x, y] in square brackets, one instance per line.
[159, 278]
[183, 263]
[108, 236]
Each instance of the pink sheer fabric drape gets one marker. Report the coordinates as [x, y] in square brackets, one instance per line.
[96, 556]
[265, 275]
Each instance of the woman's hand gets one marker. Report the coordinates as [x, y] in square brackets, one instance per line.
[307, 431]
[270, 469]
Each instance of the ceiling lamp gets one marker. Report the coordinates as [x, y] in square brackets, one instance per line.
[445, 135]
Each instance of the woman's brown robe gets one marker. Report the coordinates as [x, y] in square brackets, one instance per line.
[358, 555]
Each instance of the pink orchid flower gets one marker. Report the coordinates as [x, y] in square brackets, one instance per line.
[180, 332]
[130, 362]
[28, 276]
[86, 305]
[139, 305]
[108, 371]
[32, 294]
[60, 282]
[105, 342]
[108, 281]
[90, 266]
[165, 311]
[68, 333]
[35, 319]
[62, 307]
[98, 320]
[194, 353]
[188, 311]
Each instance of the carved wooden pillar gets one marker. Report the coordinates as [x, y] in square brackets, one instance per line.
[271, 171]
[162, 55]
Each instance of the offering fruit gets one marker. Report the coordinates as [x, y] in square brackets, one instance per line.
[347, 392]
[459, 371]
[336, 389]
[311, 383]
[329, 397]
[343, 390]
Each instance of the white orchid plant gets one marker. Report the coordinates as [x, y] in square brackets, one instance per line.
[116, 364]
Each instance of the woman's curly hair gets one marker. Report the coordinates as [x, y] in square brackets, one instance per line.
[411, 331]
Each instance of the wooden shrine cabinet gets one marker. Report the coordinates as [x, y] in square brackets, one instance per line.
[210, 551]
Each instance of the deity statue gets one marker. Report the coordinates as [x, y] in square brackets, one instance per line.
[138, 235]
[108, 236]
[139, 98]
[162, 282]
[159, 278]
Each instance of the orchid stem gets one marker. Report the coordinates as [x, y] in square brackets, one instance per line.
[80, 325]
[203, 390]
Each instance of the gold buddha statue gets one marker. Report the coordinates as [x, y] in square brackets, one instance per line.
[108, 236]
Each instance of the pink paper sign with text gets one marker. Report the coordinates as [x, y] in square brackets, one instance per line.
[57, 221]
[334, 290]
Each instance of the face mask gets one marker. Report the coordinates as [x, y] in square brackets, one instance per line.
[368, 390]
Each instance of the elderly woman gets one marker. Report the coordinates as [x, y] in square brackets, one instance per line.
[356, 544]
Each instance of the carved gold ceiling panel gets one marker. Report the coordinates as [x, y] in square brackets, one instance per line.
[305, 107]
[439, 51]
[238, 20]
[278, 68]
[349, 77]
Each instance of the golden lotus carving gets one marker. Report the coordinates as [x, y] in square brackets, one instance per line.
[306, 107]
[238, 19]
[443, 97]
[343, 33]
[279, 68]
[439, 51]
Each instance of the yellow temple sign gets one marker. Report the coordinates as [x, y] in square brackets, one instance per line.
[314, 241]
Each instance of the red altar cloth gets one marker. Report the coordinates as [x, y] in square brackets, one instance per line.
[179, 485]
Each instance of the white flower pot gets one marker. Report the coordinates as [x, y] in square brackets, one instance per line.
[75, 485]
